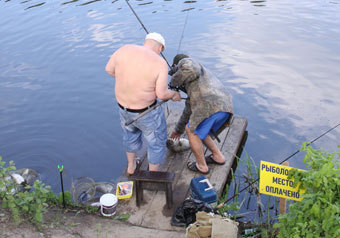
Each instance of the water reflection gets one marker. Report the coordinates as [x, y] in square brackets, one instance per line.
[94, 1]
[22, 85]
[281, 80]
[72, 1]
[188, 9]
[258, 3]
[86, 3]
[36, 5]
[146, 3]
[104, 34]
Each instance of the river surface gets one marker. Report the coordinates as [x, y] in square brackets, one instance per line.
[279, 59]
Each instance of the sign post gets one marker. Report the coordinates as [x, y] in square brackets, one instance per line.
[283, 201]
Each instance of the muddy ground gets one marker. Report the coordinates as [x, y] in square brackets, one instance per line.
[59, 223]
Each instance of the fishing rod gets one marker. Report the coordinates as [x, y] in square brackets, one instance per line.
[144, 28]
[146, 112]
[331, 129]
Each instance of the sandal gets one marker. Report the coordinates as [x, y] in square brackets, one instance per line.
[209, 160]
[192, 166]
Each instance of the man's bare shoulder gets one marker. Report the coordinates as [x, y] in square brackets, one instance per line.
[127, 48]
[136, 50]
[138, 53]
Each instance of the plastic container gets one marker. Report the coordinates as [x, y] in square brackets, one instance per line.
[108, 203]
[124, 190]
[201, 189]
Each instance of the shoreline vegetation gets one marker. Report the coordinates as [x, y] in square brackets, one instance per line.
[317, 215]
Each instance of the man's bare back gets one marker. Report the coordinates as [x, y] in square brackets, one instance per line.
[141, 76]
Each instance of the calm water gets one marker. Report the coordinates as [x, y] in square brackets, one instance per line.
[279, 59]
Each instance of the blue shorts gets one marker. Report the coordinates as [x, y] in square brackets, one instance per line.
[214, 122]
[152, 126]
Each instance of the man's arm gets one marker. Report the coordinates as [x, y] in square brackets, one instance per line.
[162, 91]
[184, 119]
[110, 66]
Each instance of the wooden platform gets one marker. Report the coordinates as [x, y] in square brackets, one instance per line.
[153, 212]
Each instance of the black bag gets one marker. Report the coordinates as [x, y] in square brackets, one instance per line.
[185, 213]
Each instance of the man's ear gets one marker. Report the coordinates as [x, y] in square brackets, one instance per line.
[161, 48]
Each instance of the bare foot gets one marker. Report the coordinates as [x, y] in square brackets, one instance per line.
[131, 167]
[218, 158]
[153, 167]
[202, 169]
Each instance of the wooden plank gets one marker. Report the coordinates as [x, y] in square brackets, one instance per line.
[222, 136]
[182, 181]
[158, 176]
[158, 216]
[230, 147]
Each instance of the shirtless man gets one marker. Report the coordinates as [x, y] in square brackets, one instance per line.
[141, 77]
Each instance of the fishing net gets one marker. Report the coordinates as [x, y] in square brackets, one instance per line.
[105, 187]
[83, 189]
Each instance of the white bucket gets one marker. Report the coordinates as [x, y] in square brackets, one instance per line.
[108, 203]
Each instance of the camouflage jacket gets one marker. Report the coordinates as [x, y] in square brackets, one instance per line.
[206, 94]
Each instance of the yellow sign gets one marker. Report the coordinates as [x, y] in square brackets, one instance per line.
[274, 181]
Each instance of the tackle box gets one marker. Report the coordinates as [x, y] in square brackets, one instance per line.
[202, 189]
[124, 190]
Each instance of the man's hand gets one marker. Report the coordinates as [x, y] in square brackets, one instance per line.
[172, 70]
[176, 97]
[175, 136]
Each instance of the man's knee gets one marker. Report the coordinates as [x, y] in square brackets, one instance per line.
[156, 154]
[187, 130]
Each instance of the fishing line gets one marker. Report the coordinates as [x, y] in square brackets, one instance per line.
[147, 32]
[323, 134]
[185, 23]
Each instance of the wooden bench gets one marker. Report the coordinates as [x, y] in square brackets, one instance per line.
[153, 180]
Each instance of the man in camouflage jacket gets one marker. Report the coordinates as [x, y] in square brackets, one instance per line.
[207, 108]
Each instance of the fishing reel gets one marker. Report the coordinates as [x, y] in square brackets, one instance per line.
[171, 72]
[177, 88]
